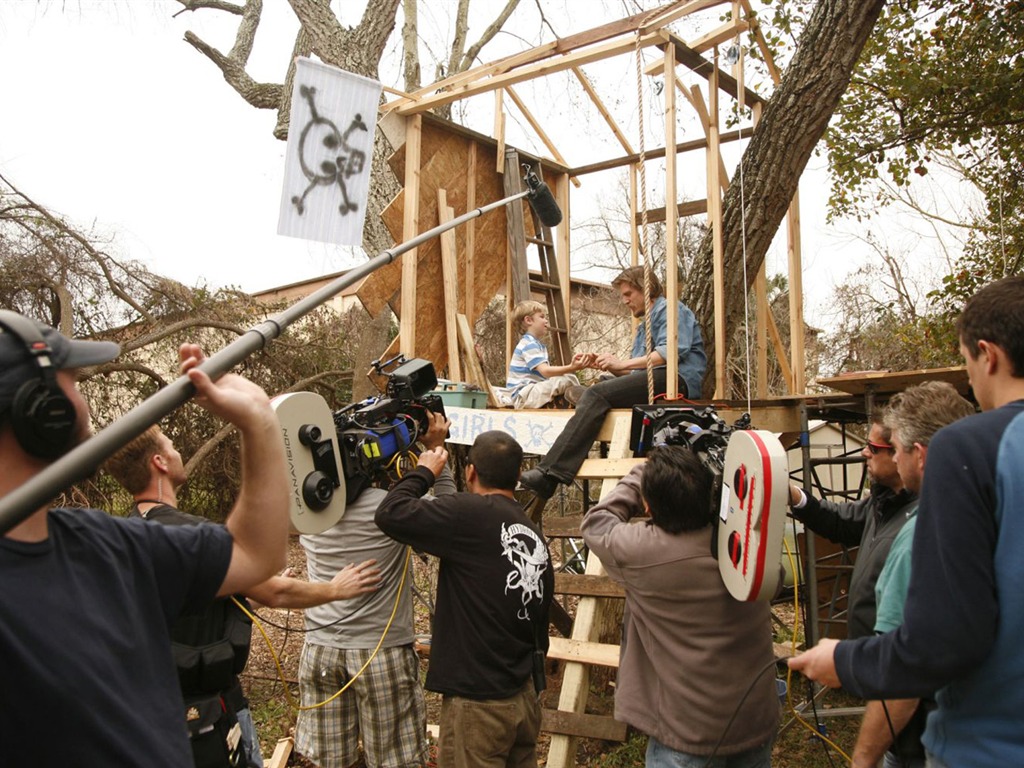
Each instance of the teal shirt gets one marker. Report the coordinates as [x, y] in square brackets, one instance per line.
[891, 587]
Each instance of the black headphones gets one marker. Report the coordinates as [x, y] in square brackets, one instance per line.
[42, 416]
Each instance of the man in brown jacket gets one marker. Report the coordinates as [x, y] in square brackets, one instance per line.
[689, 650]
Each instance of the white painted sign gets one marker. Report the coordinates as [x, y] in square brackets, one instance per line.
[534, 430]
[327, 162]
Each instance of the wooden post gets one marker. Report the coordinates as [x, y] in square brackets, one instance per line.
[796, 296]
[450, 276]
[410, 228]
[470, 232]
[563, 242]
[715, 216]
[671, 226]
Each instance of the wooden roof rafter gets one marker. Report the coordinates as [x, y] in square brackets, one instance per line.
[563, 45]
[696, 63]
[539, 69]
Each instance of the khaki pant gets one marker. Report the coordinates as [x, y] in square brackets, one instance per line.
[492, 733]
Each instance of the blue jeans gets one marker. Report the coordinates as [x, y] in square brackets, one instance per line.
[892, 761]
[249, 738]
[660, 756]
[571, 447]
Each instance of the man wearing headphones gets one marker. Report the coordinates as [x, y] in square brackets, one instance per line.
[87, 599]
[151, 469]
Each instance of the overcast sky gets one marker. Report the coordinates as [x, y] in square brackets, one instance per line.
[112, 120]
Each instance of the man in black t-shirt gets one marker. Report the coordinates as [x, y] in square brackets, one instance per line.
[490, 628]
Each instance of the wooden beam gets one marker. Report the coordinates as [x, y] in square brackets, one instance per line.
[697, 99]
[581, 585]
[671, 236]
[519, 275]
[499, 128]
[796, 295]
[563, 240]
[474, 371]
[762, 43]
[718, 36]
[584, 652]
[602, 109]
[469, 310]
[688, 208]
[410, 228]
[653, 154]
[762, 309]
[537, 128]
[570, 60]
[602, 469]
[567, 527]
[700, 66]
[450, 275]
[282, 751]
[604, 727]
[718, 243]
[780, 352]
[539, 53]
[678, 12]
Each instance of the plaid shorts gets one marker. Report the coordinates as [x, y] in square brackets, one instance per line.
[383, 708]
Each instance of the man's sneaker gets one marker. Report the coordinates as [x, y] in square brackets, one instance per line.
[539, 483]
[574, 394]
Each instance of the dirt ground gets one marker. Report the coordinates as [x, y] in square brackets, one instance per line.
[797, 745]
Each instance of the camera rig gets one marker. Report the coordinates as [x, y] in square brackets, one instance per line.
[750, 488]
[333, 457]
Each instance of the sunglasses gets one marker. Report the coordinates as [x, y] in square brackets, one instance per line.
[874, 448]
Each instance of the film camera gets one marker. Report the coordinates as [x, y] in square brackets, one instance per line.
[750, 488]
[332, 457]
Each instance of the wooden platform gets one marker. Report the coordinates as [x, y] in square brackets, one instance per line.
[883, 382]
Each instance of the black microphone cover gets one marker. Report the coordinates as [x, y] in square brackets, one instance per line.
[544, 205]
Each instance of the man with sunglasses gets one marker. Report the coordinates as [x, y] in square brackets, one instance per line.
[870, 523]
[963, 618]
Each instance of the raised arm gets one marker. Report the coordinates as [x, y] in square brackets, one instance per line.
[259, 519]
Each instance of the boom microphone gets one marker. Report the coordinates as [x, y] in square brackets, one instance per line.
[83, 460]
[542, 201]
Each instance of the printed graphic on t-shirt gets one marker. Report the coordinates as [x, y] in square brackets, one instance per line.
[529, 557]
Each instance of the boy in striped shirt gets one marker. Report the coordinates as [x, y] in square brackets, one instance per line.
[532, 381]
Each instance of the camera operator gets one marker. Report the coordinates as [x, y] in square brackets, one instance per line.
[88, 599]
[490, 627]
[384, 708]
[689, 649]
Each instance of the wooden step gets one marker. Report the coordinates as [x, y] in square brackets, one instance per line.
[585, 726]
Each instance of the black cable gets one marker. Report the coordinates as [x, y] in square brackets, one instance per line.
[736, 711]
[346, 617]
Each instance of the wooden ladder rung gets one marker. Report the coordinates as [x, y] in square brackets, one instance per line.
[543, 285]
[584, 585]
[539, 241]
[603, 727]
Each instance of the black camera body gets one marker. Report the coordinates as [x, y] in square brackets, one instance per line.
[698, 428]
[375, 433]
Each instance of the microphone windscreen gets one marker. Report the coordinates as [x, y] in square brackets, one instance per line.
[544, 205]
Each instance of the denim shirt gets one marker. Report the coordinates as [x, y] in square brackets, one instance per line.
[692, 360]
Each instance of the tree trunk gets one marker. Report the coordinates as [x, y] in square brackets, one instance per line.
[793, 122]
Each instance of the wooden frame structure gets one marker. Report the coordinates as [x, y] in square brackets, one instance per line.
[409, 123]
[449, 170]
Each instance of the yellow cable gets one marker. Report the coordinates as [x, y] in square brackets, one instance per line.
[789, 673]
[277, 662]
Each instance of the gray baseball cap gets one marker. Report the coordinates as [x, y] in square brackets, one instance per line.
[17, 365]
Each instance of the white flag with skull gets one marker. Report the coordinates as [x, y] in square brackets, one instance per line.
[327, 162]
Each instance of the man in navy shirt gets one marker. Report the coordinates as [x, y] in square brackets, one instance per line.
[964, 615]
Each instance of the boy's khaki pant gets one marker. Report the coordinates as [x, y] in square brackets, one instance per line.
[492, 733]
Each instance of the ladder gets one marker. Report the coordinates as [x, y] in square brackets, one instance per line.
[522, 285]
